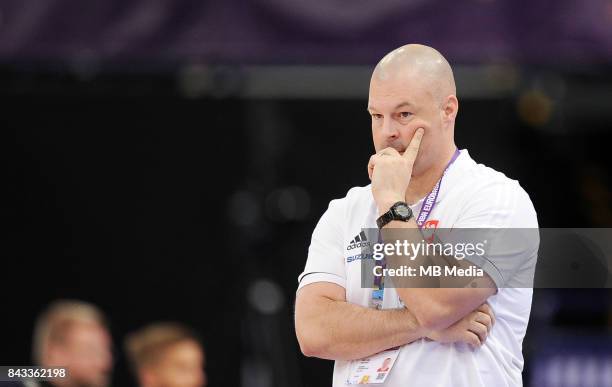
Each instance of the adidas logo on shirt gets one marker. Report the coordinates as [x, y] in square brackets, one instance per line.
[360, 240]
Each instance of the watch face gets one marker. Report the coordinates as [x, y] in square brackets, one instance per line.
[402, 210]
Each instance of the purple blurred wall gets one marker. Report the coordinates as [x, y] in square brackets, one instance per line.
[304, 32]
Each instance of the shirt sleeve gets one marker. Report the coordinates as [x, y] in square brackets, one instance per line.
[325, 261]
[502, 215]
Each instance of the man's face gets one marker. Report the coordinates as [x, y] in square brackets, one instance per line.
[86, 353]
[399, 105]
[182, 365]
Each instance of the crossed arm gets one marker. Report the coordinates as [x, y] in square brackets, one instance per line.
[329, 327]
[439, 302]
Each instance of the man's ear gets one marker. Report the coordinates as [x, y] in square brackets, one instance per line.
[450, 108]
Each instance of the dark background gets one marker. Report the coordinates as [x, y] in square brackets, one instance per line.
[144, 172]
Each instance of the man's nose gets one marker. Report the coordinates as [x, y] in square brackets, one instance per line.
[389, 129]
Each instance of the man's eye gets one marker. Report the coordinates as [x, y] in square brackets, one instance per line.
[405, 114]
[377, 116]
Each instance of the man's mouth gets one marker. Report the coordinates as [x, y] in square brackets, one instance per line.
[399, 150]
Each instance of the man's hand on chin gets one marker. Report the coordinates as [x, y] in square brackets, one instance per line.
[390, 173]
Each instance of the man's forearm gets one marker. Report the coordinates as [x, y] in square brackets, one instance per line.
[339, 330]
[437, 302]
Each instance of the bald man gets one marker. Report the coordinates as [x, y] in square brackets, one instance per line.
[435, 336]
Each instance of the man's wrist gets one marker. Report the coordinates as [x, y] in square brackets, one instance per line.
[386, 204]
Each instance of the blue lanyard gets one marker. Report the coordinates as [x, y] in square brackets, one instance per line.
[430, 200]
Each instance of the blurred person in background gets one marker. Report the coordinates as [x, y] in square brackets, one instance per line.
[75, 335]
[166, 355]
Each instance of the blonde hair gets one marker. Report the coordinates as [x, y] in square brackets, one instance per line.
[53, 325]
[146, 346]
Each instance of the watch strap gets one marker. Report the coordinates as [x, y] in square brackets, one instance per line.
[392, 215]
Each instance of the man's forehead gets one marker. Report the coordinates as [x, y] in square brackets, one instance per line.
[409, 88]
[394, 95]
[375, 105]
[399, 82]
[87, 330]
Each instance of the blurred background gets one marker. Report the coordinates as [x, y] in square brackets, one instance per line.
[168, 160]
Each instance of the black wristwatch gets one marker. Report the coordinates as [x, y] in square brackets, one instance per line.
[398, 211]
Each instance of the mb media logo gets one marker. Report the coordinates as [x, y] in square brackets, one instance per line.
[360, 240]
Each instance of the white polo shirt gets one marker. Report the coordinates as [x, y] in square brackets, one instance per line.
[471, 196]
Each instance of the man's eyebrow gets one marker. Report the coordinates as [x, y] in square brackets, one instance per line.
[403, 104]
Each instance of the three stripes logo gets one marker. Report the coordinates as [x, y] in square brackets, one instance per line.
[360, 240]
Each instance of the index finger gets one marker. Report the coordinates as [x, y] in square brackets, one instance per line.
[413, 148]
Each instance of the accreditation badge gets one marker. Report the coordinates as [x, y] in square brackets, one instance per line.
[373, 369]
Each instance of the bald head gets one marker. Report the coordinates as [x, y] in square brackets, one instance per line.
[418, 62]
